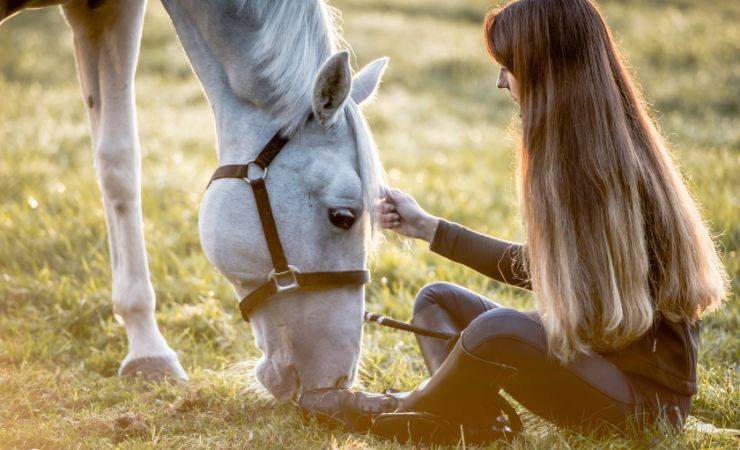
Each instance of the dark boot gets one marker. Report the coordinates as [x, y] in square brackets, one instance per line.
[460, 388]
[462, 393]
[359, 411]
[433, 350]
[351, 410]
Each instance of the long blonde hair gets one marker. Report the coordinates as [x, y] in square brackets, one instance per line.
[614, 237]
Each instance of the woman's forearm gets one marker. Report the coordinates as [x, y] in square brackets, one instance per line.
[496, 258]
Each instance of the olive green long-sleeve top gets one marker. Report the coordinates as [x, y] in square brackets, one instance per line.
[498, 259]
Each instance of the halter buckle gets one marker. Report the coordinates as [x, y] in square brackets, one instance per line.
[284, 281]
[249, 164]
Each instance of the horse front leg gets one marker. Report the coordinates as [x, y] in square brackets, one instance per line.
[107, 35]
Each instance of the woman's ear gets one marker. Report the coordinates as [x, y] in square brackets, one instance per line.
[367, 80]
[331, 88]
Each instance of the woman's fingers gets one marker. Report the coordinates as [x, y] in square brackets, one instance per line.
[399, 212]
[387, 207]
[398, 207]
[390, 219]
[404, 203]
[390, 223]
[396, 198]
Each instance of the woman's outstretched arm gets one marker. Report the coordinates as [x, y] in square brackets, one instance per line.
[496, 258]
[499, 259]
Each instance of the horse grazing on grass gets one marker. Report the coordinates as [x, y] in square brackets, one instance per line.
[266, 66]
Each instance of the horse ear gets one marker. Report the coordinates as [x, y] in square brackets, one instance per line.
[331, 88]
[367, 80]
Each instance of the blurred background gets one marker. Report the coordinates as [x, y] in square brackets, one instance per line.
[446, 135]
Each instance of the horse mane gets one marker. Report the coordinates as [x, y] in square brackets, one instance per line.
[294, 41]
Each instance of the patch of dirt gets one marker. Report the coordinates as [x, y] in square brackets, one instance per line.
[117, 428]
[191, 400]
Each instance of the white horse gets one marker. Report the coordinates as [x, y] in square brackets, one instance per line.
[265, 66]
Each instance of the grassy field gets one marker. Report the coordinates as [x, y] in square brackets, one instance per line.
[446, 135]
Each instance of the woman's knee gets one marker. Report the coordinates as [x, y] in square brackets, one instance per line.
[502, 328]
[433, 294]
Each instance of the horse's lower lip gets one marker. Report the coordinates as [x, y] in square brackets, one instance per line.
[283, 383]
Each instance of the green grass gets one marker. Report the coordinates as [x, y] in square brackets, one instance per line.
[445, 134]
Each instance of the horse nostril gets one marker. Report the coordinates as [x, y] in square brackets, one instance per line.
[342, 217]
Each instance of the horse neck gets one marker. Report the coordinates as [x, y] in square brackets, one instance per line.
[245, 71]
[242, 130]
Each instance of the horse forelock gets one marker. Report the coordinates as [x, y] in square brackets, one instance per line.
[370, 167]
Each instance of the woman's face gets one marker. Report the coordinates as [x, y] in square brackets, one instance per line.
[507, 81]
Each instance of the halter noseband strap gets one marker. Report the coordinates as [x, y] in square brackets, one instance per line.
[283, 276]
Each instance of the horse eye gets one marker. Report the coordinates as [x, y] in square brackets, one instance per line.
[342, 217]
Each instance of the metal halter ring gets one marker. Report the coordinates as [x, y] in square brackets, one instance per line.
[248, 165]
[284, 281]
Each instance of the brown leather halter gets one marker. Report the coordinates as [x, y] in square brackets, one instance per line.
[283, 276]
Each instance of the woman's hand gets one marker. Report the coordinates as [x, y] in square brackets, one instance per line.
[399, 212]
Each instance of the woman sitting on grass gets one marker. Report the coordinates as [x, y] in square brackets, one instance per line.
[617, 255]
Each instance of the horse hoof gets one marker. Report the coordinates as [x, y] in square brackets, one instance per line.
[154, 368]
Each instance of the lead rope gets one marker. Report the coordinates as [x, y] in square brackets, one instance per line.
[398, 325]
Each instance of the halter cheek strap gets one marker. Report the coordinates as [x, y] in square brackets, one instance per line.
[283, 276]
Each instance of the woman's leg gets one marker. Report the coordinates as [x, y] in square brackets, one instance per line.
[445, 307]
[498, 348]
[589, 391]
[441, 306]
